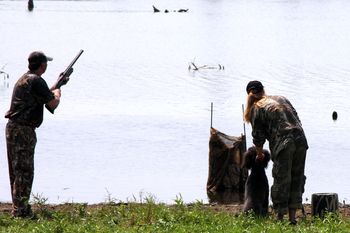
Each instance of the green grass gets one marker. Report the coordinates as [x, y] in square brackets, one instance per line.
[149, 216]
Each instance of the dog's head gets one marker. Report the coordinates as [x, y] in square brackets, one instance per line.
[249, 158]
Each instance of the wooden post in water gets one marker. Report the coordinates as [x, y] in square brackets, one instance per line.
[335, 115]
[30, 5]
[244, 132]
[211, 115]
[324, 202]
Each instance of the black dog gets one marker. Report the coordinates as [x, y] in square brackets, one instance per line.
[256, 196]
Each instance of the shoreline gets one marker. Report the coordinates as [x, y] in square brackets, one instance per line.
[234, 209]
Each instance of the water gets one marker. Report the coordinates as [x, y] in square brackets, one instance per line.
[134, 121]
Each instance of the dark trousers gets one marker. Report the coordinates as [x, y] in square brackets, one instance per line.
[289, 179]
[21, 141]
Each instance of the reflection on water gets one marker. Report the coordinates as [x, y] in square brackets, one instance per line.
[134, 119]
[4, 80]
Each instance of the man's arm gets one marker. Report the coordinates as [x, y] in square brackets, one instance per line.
[52, 105]
[258, 134]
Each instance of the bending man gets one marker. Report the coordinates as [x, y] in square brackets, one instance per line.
[273, 118]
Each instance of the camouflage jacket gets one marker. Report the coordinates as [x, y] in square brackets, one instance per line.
[28, 98]
[274, 119]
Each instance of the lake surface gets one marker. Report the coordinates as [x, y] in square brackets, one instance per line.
[134, 120]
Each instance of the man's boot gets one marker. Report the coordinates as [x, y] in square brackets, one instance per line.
[292, 219]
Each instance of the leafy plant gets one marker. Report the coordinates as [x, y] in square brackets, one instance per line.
[41, 203]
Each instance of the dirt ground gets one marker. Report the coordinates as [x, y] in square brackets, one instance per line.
[343, 210]
[235, 209]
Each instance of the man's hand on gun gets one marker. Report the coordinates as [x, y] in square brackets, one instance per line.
[259, 153]
[57, 93]
[64, 77]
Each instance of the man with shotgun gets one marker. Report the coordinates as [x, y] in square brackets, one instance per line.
[29, 96]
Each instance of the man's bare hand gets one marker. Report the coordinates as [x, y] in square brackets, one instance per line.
[57, 93]
[260, 157]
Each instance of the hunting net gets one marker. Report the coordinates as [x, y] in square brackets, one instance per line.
[226, 178]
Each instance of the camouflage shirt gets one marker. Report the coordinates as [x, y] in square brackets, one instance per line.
[29, 96]
[274, 119]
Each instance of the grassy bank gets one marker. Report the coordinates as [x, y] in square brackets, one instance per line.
[149, 216]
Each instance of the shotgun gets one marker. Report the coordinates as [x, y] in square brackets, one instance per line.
[63, 77]
[65, 74]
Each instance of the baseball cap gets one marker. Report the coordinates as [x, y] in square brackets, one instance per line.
[38, 57]
[254, 85]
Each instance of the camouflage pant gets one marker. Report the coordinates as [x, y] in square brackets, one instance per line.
[21, 141]
[289, 179]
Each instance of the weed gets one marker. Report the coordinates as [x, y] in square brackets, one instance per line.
[146, 215]
[41, 203]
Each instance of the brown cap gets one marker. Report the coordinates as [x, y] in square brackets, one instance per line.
[254, 85]
[38, 57]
